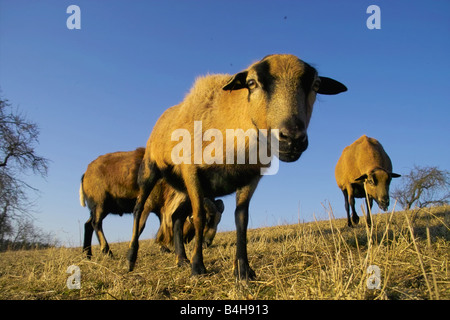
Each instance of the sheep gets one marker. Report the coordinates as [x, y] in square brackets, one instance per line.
[364, 168]
[276, 93]
[164, 237]
[109, 185]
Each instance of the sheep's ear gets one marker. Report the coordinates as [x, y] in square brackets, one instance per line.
[362, 178]
[395, 175]
[330, 86]
[238, 81]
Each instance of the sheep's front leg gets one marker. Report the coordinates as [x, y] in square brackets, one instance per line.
[149, 175]
[347, 207]
[355, 218]
[242, 270]
[179, 217]
[194, 190]
[350, 203]
[88, 231]
[369, 210]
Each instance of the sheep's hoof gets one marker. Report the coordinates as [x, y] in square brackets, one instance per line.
[131, 257]
[355, 220]
[182, 262]
[89, 255]
[131, 265]
[242, 271]
[206, 244]
[198, 269]
[164, 249]
[108, 253]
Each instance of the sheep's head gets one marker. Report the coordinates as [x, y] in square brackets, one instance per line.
[281, 92]
[377, 184]
[214, 212]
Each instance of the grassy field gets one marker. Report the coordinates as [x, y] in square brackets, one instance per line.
[317, 260]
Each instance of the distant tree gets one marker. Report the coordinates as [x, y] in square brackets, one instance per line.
[422, 187]
[18, 138]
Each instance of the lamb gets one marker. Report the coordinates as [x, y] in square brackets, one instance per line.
[276, 93]
[364, 167]
[109, 185]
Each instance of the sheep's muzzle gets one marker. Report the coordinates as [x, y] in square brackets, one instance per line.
[383, 203]
[291, 149]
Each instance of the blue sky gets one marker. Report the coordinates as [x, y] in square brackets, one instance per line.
[100, 89]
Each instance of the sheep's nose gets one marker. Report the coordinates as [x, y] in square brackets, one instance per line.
[295, 134]
[384, 203]
[293, 131]
[295, 141]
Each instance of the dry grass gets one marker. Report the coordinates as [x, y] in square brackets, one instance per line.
[318, 260]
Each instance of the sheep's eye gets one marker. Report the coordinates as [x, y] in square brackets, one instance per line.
[371, 182]
[251, 84]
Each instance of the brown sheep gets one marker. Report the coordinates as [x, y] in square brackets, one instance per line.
[214, 210]
[364, 165]
[276, 93]
[109, 185]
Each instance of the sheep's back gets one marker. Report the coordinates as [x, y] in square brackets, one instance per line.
[361, 157]
[113, 174]
[206, 102]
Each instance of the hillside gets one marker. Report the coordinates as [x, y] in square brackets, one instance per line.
[317, 260]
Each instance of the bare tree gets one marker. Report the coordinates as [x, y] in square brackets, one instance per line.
[18, 138]
[423, 186]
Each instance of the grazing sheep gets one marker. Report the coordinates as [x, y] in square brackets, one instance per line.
[364, 165]
[109, 185]
[214, 210]
[277, 92]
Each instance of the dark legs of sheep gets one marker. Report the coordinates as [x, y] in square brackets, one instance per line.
[101, 238]
[355, 218]
[199, 223]
[88, 231]
[134, 243]
[148, 177]
[350, 202]
[369, 211]
[190, 177]
[242, 270]
[95, 223]
[179, 216]
[138, 227]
